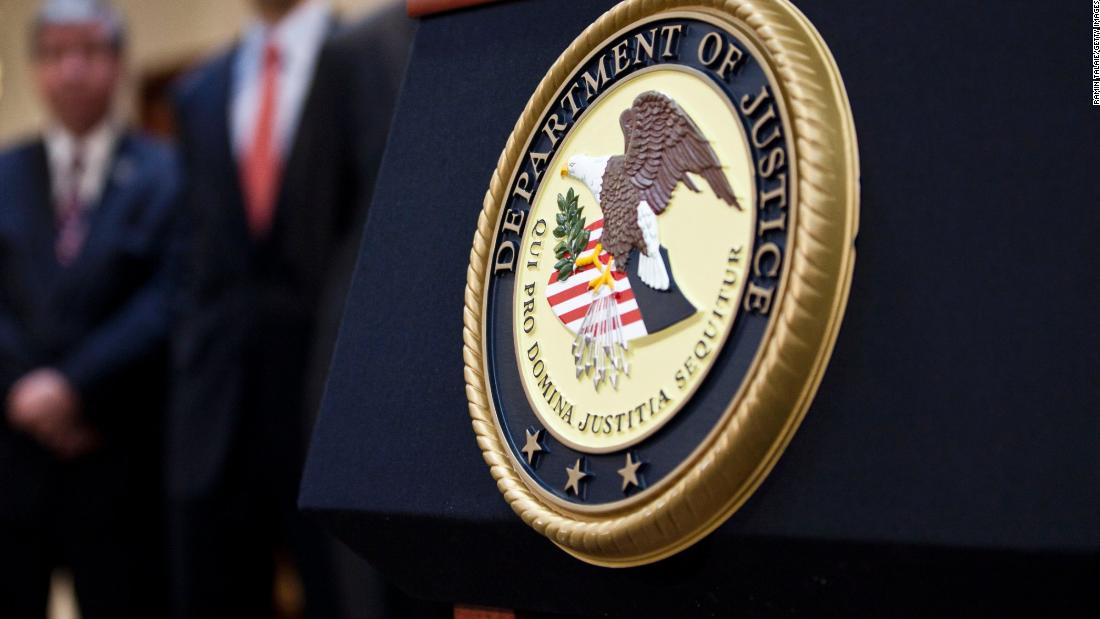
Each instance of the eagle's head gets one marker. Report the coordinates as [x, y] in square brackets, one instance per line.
[588, 170]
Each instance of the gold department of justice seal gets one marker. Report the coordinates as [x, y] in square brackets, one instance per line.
[659, 271]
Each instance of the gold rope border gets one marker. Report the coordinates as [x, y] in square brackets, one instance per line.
[791, 361]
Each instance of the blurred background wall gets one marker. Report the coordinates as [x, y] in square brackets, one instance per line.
[166, 37]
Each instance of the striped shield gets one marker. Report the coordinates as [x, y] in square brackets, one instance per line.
[571, 299]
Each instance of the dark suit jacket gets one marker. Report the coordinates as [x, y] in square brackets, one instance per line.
[256, 310]
[103, 321]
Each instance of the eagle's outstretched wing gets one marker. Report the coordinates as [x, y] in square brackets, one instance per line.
[663, 144]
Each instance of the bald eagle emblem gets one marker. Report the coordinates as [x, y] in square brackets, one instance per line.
[662, 147]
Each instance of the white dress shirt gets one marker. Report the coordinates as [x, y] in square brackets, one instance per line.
[96, 151]
[299, 36]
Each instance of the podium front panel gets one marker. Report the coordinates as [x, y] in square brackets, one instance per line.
[954, 444]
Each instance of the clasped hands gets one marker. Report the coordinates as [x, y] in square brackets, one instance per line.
[45, 405]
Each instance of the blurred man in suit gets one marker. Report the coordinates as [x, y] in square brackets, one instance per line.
[366, 63]
[272, 209]
[86, 211]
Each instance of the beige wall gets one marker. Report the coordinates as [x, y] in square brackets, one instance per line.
[161, 32]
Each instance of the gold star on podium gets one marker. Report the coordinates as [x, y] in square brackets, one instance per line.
[532, 447]
[575, 476]
[630, 471]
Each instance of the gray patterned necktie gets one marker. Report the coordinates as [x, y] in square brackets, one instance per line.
[71, 223]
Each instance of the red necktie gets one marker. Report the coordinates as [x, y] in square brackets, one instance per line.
[71, 224]
[262, 167]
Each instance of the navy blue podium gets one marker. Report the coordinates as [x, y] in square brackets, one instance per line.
[950, 463]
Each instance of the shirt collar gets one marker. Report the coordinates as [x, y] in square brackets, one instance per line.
[305, 22]
[96, 146]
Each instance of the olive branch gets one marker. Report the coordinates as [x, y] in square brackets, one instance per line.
[574, 238]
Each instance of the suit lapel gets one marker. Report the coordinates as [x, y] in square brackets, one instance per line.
[27, 222]
[118, 191]
[299, 145]
[221, 111]
[41, 220]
